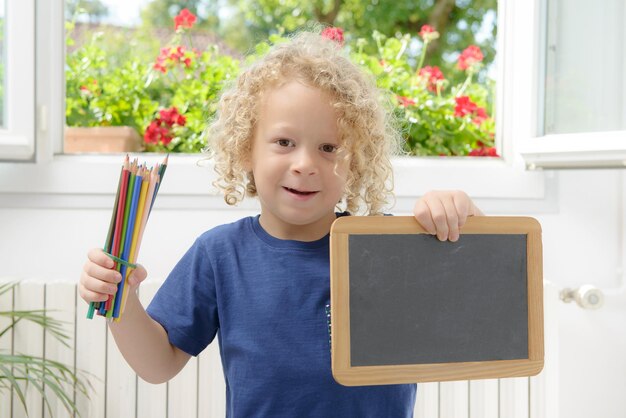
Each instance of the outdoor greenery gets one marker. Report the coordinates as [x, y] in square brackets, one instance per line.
[249, 22]
[106, 92]
[167, 97]
[437, 118]
[50, 378]
[444, 98]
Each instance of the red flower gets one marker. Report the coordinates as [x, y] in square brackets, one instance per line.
[433, 76]
[171, 116]
[334, 34]
[156, 133]
[428, 33]
[426, 29]
[464, 107]
[161, 61]
[159, 67]
[470, 56]
[484, 152]
[160, 129]
[185, 19]
[405, 101]
[480, 115]
[177, 53]
[171, 56]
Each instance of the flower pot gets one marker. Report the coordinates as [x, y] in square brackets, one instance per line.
[102, 139]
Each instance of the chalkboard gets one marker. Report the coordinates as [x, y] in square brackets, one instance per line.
[406, 307]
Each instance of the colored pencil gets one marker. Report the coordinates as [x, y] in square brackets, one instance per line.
[107, 243]
[118, 245]
[134, 245]
[125, 270]
[136, 192]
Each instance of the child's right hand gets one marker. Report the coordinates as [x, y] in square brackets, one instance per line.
[99, 279]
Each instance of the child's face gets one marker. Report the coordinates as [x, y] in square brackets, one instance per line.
[294, 162]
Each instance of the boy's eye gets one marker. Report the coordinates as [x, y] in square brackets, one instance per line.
[328, 148]
[284, 142]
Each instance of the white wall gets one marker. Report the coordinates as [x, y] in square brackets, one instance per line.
[582, 234]
[582, 237]
[52, 244]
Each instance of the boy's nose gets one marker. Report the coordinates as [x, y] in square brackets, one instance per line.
[304, 163]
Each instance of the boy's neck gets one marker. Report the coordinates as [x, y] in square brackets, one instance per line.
[305, 233]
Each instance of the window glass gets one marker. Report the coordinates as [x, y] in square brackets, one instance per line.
[586, 66]
[2, 63]
[158, 66]
[17, 80]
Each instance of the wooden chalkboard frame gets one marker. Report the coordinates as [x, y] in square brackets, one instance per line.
[348, 375]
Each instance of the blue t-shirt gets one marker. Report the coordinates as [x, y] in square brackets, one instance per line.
[266, 299]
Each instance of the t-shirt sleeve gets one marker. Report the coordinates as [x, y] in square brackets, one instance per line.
[186, 303]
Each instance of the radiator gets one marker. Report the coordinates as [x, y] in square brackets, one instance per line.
[199, 389]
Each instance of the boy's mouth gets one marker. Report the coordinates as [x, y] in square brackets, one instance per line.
[298, 192]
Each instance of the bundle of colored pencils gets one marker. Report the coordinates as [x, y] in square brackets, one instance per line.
[136, 191]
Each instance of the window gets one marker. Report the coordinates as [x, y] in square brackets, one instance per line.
[584, 88]
[132, 68]
[585, 69]
[492, 181]
[17, 79]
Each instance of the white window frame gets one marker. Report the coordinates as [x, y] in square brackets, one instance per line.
[579, 150]
[90, 181]
[17, 136]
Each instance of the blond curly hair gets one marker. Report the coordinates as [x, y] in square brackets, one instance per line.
[367, 131]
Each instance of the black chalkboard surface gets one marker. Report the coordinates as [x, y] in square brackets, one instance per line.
[409, 308]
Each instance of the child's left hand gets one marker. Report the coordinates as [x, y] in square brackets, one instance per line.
[444, 213]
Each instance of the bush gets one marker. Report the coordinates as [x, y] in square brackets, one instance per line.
[189, 83]
[171, 99]
[100, 92]
[168, 100]
[437, 119]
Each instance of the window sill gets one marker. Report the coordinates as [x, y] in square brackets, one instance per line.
[481, 177]
[90, 181]
[582, 150]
